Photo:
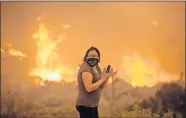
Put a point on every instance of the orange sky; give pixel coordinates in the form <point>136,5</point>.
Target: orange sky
<point>152,29</point>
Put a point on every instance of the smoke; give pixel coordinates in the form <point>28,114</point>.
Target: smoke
<point>154,23</point>
<point>66,26</point>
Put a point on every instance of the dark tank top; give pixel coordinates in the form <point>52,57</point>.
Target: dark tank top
<point>84,98</point>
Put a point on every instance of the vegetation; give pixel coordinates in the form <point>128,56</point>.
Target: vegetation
<point>140,112</point>
<point>169,101</point>
<point>136,112</point>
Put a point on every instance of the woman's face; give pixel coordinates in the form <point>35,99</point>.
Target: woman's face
<point>93,54</point>
<point>92,58</point>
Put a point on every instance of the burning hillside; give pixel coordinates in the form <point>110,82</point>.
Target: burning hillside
<point>135,69</point>
<point>141,71</point>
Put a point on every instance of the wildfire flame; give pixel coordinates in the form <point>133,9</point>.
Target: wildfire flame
<point>140,71</point>
<point>14,52</point>
<point>48,62</point>
<point>2,50</point>
<point>134,84</point>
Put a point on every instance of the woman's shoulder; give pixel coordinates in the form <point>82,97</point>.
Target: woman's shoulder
<point>84,67</point>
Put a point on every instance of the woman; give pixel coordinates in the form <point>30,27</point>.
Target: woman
<point>90,83</point>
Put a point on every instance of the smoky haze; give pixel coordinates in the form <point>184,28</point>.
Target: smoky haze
<point>144,40</point>
<point>154,29</point>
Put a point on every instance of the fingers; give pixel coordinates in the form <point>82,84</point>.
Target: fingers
<point>105,75</point>
<point>111,70</point>
<point>111,73</point>
<point>104,69</point>
<point>114,73</point>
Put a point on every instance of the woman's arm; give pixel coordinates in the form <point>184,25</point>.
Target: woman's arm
<point>104,85</point>
<point>106,82</point>
<point>87,80</point>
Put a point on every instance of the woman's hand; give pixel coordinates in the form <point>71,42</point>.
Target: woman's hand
<point>111,73</point>
<point>105,76</point>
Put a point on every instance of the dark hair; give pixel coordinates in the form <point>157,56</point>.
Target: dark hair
<point>90,49</point>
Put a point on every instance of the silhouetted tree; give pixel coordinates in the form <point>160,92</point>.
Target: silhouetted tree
<point>182,104</point>
<point>170,94</point>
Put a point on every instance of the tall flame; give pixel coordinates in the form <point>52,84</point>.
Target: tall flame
<point>48,63</point>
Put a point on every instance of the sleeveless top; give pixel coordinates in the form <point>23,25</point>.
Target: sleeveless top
<point>88,99</point>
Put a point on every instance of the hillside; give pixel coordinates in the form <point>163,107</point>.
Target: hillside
<point>60,97</point>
